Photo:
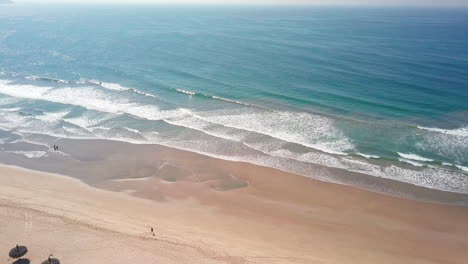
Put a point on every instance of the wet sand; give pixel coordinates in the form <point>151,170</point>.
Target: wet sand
<point>206,210</point>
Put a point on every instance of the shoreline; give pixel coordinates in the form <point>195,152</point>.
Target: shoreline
<point>93,151</point>
<point>216,212</point>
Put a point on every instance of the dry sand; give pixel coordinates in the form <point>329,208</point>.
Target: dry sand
<point>277,218</point>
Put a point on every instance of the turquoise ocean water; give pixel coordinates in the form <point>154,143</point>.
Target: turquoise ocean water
<point>382,91</point>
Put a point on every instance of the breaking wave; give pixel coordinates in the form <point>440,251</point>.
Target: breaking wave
<point>277,139</point>
<point>414,157</point>
<point>461,132</point>
<point>219,98</point>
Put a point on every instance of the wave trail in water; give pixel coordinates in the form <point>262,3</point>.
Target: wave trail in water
<point>118,87</point>
<point>414,157</point>
<point>461,132</point>
<point>219,98</point>
<point>301,128</point>
<point>46,79</point>
<point>30,154</point>
<point>89,98</point>
<point>367,156</point>
<point>185,91</point>
<point>275,134</point>
<point>309,130</point>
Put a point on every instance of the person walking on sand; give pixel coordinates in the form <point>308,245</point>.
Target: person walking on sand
<point>152,231</point>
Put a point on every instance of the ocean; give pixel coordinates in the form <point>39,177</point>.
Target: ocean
<point>380,91</point>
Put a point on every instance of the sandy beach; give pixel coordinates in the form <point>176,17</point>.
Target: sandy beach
<point>234,131</point>
<point>206,210</point>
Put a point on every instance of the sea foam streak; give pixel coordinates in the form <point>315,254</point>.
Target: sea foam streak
<point>367,156</point>
<point>116,87</point>
<point>53,116</point>
<point>191,93</point>
<point>185,91</point>
<point>90,99</point>
<point>232,101</point>
<point>417,164</point>
<point>46,79</point>
<point>301,128</point>
<point>461,132</point>
<point>414,157</point>
<point>238,125</point>
<point>30,154</point>
<point>110,86</point>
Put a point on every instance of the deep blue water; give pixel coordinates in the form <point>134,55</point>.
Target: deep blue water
<point>382,91</point>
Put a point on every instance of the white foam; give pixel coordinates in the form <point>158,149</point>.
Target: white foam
<point>309,130</point>
<point>23,90</point>
<point>30,154</point>
<point>309,157</point>
<point>115,87</point>
<point>463,168</point>
<point>11,120</point>
<point>12,109</point>
<point>76,131</point>
<point>231,101</point>
<point>32,77</point>
<point>301,128</point>
<point>132,130</point>
<point>206,127</point>
<point>89,118</point>
<point>434,178</point>
<point>368,156</point>
<point>61,153</point>
<point>461,132</point>
<point>53,116</point>
<point>185,91</point>
<point>412,156</point>
<point>31,142</point>
<point>110,86</point>
<point>88,98</point>
<point>37,78</point>
<point>440,179</point>
<point>414,163</point>
<point>120,134</point>
<point>450,146</point>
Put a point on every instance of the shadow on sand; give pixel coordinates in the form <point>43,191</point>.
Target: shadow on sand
<point>21,261</point>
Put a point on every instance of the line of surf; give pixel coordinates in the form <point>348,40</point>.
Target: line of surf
<point>105,85</point>
<point>94,100</point>
<point>40,91</point>
<point>383,172</point>
<point>461,132</point>
<point>219,98</point>
<point>412,156</point>
<point>117,87</point>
